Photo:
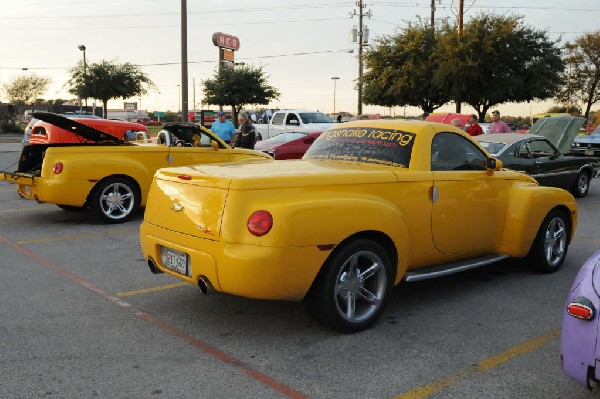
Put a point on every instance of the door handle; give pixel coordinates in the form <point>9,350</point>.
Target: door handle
<point>434,192</point>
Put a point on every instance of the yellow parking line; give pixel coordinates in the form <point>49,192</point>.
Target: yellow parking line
<point>589,205</point>
<point>152,289</point>
<point>587,239</point>
<point>77,236</point>
<point>484,365</point>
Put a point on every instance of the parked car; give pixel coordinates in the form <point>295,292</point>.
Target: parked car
<point>289,120</point>
<point>289,145</point>
<point>32,121</point>
<point>588,145</point>
<point>447,117</point>
<point>541,154</point>
<point>371,204</point>
<point>366,116</point>
<point>106,173</point>
<point>579,339</point>
<point>148,122</point>
<point>49,133</point>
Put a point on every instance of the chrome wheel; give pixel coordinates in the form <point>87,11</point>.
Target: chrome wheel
<point>115,199</point>
<point>360,287</point>
<point>551,243</point>
<point>582,185</point>
<point>555,243</point>
<point>351,290</point>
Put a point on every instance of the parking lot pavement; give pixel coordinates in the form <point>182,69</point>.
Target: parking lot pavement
<point>83,316</point>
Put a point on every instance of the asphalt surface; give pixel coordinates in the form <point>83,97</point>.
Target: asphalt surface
<point>82,316</point>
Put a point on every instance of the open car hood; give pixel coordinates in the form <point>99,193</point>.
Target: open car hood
<point>560,130</point>
<point>85,131</point>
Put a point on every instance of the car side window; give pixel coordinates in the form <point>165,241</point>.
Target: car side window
<point>541,148</point>
<point>523,151</point>
<point>450,151</point>
<point>278,118</point>
<point>292,119</point>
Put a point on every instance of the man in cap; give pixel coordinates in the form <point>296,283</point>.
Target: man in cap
<point>223,127</point>
<point>497,125</point>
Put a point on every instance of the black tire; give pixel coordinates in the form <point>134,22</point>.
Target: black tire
<point>582,185</point>
<point>70,208</point>
<point>549,249</point>
<point>115,199</point>
<point>344,296</point>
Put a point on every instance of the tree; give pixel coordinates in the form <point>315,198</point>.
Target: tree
<point>582,74</point>
<point>108,80</point>
<point>400,70</point>
<point>26,89</point>
<point>497,59</point>
<point>237,87</point>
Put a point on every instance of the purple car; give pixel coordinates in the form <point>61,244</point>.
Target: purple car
<point>579,342</point>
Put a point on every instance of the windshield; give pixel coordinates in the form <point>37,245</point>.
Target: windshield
<point>315,117</point>
<point>285,137</point>
<point>491,147</point>
<point>359,144</point>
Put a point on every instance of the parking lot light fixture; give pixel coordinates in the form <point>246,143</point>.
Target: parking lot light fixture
<point>82,48</point>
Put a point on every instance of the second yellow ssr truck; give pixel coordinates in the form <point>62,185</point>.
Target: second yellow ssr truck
<point>108,174</point>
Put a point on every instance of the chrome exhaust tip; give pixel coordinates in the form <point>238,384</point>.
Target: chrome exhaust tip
<point>153,268</point>
<point>205,285</point>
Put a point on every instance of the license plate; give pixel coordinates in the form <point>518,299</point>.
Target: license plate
<point>589,153</point>
<point>175,260</point>
<point>25,189</point>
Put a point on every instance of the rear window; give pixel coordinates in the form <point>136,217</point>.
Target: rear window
<point>315,117</point>
<point>368,145</point>
<point>492,147</point>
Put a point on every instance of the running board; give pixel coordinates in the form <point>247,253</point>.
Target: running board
<point>451,268</point>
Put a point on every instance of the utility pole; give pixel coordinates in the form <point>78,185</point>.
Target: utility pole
<point>461,5</point>
<point>432,14</point>
<point>184,63</point>
<point>362,36</point>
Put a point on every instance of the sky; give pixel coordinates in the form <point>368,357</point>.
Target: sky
<point>300,46</point>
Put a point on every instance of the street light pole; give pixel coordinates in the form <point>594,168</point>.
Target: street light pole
<point>334,78</point>
<point>82,48</point>
<point>179,105</point>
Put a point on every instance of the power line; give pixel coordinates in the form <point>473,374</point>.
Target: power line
<point>199,62</point>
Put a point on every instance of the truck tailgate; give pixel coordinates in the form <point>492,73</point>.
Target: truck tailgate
<point>191,208</point>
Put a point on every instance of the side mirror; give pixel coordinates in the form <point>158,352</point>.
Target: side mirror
<point>493,164</point>
<point>215,145</point>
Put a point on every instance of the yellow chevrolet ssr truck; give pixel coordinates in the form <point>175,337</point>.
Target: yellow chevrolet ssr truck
<point>107,174</point>
<point>371,204</point>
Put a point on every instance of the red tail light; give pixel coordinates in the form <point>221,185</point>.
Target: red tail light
<point>57,168</point>
<point>184,177</point>
<point>260,223</point>
<point>581,308</point>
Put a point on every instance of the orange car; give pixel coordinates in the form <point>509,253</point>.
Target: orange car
<point>46,133</point>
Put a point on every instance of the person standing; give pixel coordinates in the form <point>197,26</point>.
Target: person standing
<point>456,123</point>
<point>223,128</point>
<point>247,135</point>
<point>497,125</point>
<point>473,127</point>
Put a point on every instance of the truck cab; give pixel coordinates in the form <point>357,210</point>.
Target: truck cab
<point>294,121</point>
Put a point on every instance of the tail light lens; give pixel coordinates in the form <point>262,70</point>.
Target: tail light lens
<point>581,308</point>
<point>57,168</point>
<point>260,223</point>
